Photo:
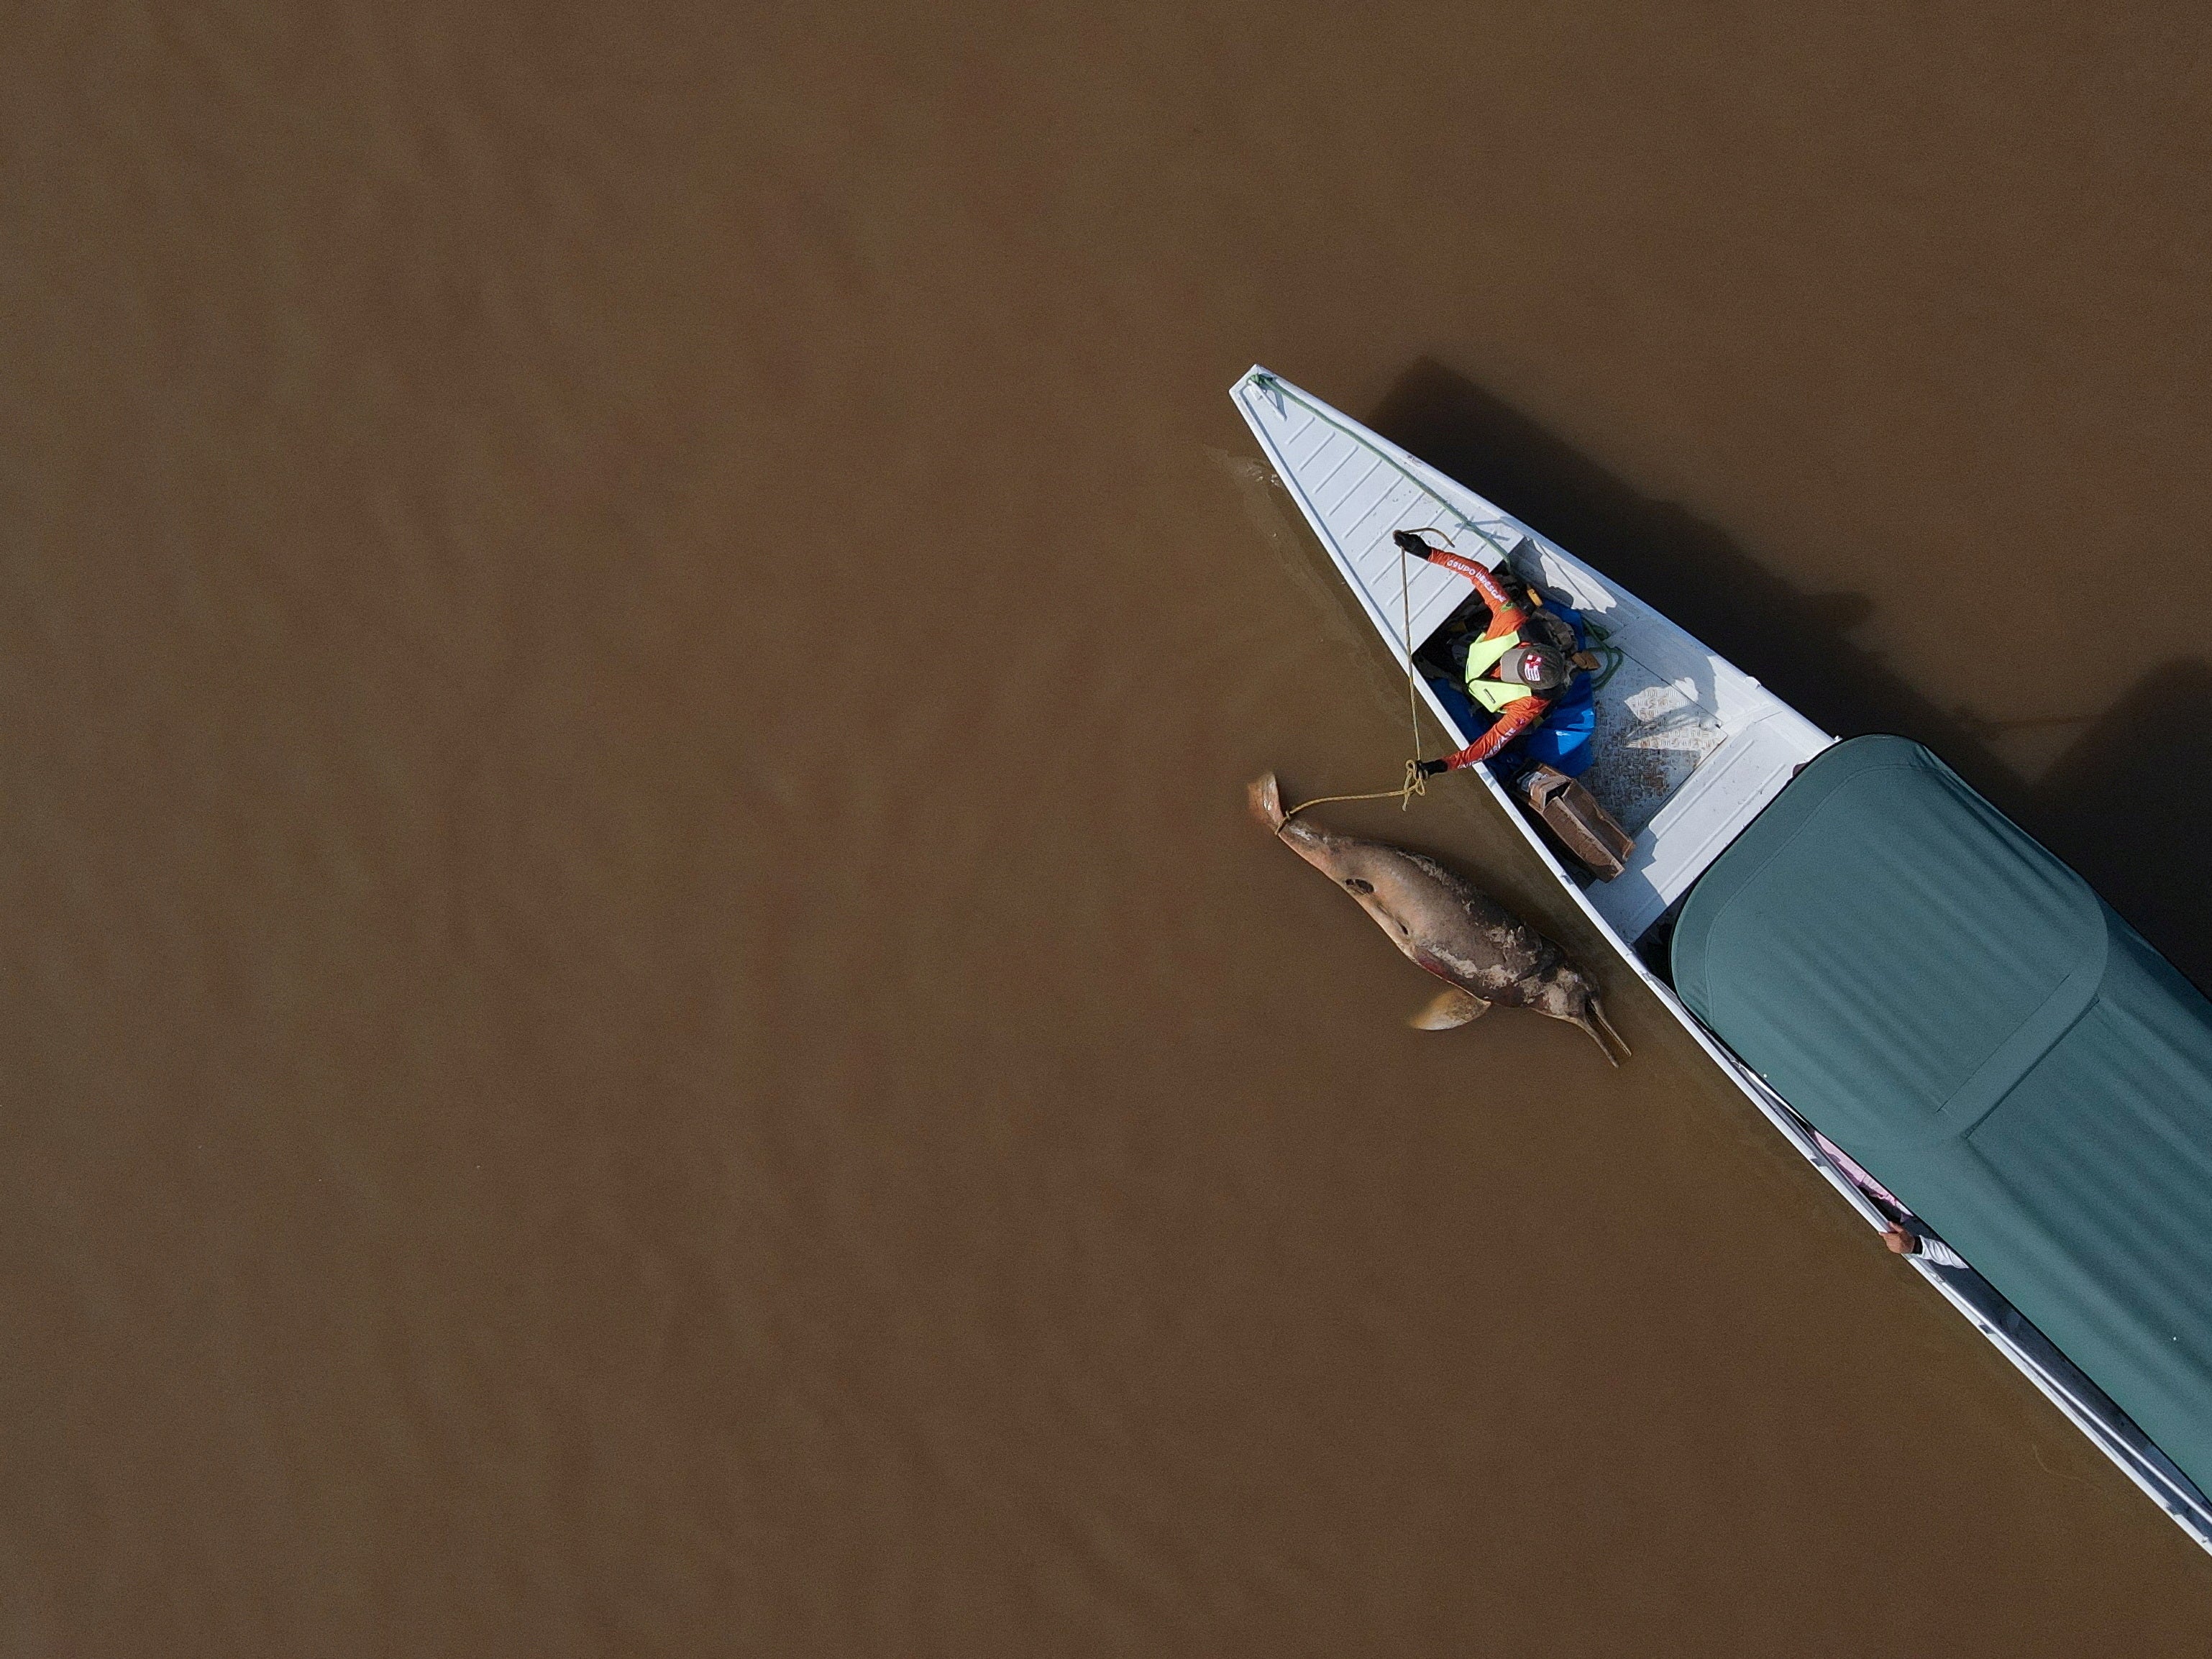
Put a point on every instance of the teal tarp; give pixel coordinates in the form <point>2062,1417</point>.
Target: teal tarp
<point>1958,1011</point>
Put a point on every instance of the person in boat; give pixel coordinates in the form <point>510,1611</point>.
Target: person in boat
<point>1904,1240</point>
<point>1905,1236</point>
<point>1520,666</point>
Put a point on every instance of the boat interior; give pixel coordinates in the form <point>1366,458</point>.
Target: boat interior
<point>1686,749</point>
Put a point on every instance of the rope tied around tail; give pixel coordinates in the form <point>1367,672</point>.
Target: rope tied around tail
<point>1415,783</point>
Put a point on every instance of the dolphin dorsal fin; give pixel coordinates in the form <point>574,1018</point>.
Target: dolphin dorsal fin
<point>1452,1007</point>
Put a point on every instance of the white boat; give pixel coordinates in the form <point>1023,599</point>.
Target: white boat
<point>1689,750</point>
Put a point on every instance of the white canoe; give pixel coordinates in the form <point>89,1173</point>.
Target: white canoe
<point>1689,749</point>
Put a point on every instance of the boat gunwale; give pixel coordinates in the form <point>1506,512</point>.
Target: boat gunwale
<point>2123,1442</point>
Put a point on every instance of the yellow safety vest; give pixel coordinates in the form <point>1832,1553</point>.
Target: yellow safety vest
<point>1481,657</point>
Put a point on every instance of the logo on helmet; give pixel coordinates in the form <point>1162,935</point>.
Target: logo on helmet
<point>1536,666</point>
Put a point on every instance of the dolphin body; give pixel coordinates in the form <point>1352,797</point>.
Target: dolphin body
<point>1465,937</point>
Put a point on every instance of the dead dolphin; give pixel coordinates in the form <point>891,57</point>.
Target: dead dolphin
<point>1465,937</point>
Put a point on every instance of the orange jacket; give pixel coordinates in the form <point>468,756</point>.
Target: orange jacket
<point>1505,616</point>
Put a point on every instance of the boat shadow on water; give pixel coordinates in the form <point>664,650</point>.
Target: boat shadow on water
<point>2127,803</point>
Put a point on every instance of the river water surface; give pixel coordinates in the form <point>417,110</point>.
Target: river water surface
<point>640,1014</point>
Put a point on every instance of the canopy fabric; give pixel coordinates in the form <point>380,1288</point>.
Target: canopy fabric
<point>1951,1006</point>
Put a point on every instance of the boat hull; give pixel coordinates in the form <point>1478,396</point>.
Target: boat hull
<point>1724,746</point>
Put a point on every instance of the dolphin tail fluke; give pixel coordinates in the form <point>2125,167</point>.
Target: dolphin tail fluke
<point>1266,798</point>
<point>1451,1009</point>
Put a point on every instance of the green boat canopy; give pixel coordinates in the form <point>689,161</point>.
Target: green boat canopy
<point>1951,1006</point>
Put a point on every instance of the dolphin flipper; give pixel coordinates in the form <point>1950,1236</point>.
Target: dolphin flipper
<point>1452,1007</point>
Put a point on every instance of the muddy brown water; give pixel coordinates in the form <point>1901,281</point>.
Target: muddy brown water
<point>641,1014</point>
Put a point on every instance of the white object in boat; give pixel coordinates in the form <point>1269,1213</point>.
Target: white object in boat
<point>1690,750</point>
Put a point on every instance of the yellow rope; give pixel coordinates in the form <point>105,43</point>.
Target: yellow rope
<point>1415,784</point>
